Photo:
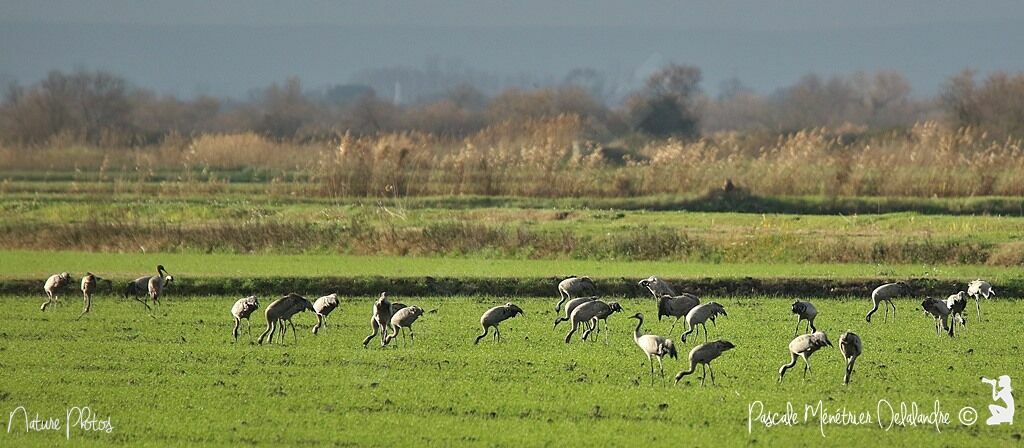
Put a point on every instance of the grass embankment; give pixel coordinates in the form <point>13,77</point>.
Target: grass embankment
<point>177,379</point>
<point>42,188</point>
<point>209,274</point>
<point>439,227</point>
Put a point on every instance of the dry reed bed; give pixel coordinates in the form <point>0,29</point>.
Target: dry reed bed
<point>553,158</point>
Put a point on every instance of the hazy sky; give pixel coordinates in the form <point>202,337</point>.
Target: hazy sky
<point>741,15</point>
<point>229,47</point>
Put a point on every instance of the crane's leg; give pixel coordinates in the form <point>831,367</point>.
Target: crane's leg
<point>712,370</point>
<point>661,368</point>
<point>811,323</point>
<point>88,305</point>
<point>893,310</point>
<point>704,374</point>
<point>977,304</point>
<point>143,302</point>
<point>651,363</point>
<point>807,366</point>
<point>849,369</point>
<point>886,318</point>
<point>295,334</point>
<point>568,336</point>
<point>797,329</point>
<point>270,329</point>
<point>234,331</point>
<point>705,331</point>
<point>497,334</point>
<point>673,325</point>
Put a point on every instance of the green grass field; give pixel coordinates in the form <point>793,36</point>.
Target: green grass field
<point>502,228</point>
<point>177,379</point>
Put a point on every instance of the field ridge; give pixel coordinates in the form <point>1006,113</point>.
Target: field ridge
<point>534,287</point>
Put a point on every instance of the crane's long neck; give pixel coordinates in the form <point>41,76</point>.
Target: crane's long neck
<point>639,323</point>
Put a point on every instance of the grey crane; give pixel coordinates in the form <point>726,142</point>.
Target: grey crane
<point>676,306</point>
<point>850,346</point>
<point>593,313</point>
<point>594,323</point>
<point>978,289</point>
<point>495,316</point>
<point>886,293</point>
<point>653,346</point>
<point>52,287</point>
<point>938,309</point>
<point>281,311</point>
<point>382,312</point>
<point>242,309</point>
<point>573,287</point>
<point>157,285</point>
<point>570,306</point>
<point>323,307</point>
<point>404,318</point>
<point>657,287</point>
<point>90,283</point>
<point>699,315</point>
<point>703,354</point>
<point>957,304</point>
<point>140,286</point>
<point>804,346</point>
<point>804,311</point>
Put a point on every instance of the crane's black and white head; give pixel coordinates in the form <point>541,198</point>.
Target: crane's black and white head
<point>64,276</point>
<point>798,307</point>
<point>161,271</point>
<point>615,307</point>
<point>648,281</point>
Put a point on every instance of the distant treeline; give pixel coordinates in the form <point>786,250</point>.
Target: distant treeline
<point>102,109</point>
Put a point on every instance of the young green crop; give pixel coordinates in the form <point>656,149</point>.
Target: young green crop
<point>176,378</point>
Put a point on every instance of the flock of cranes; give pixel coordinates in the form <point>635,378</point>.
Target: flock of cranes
<point>583,310</point>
